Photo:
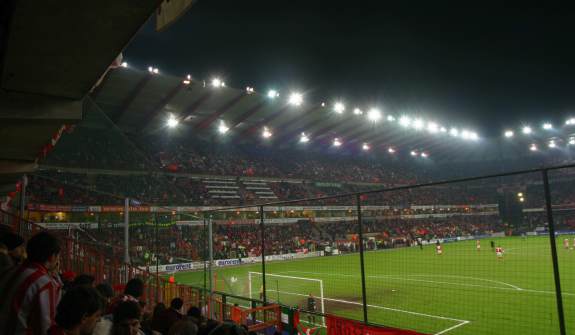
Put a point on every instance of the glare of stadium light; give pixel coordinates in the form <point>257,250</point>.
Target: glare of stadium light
<point>390,118</point>
<point>473,136</point>
<point>150,69</point>
<point>172,122</point>
<point>466,135</point>
<point>418,124</point>
<point>249,90</point>
<point>339,108</point>
<point>533,147</point>
<point>374,115</point>
<point>424,155</point>
<point>217,82</point>
<point>266,133</point>
<point>405,121</point>
<point>413,153</point>
<point>357,111</point>
<point>570,122</point>
<point>391,150</point>
<point>443,130</point>
<point>508,133</point>
<point>527,130</point>
<point>296,99</point>
<point>521,199</point>
<point>303,138</point>
<point>365,147</point>
<point>547,126</point>
<point>124,64</point>
<point>520,195</point>
<point>454,132</point>
<point>336,142</point>
<point>552,144</point>
<point>222,128</point>
<point>572,141</point>
<point>323,104</point>
<point>156,71</point>
<point>272,94</point>
<point>432,127</point>
<point>186,82</point>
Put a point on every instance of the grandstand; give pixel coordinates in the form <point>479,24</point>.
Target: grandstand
<point>288,215</point>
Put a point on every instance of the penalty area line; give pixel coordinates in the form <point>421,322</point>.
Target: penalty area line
<point>460,322</point>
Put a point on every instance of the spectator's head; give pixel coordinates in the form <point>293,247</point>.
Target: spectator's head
<point>84,280</point>
<point>160,307</point>
<point>3,249</point>
<point>228,328</point>
<point>106,291</point>
<point>134,287</point>
<point>194,312</point>
<point>14,246</point>
<point>79,310</point>
<point>176,304</point>
<point>44,248</point>
<point>127,318</point>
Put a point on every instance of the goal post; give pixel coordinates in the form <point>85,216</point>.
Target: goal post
<point>290,290</point>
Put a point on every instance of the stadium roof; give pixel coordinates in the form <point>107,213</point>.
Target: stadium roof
<point>141,102</point>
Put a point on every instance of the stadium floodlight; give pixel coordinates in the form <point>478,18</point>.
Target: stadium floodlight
<point>217,83</point>
<point>527,130</point>
<point>508,133</point>
<point>473,136</point>
<point>296,99</point>
<point>188,80</point>
<point>124,64</point>
<point>533,147</point>
<point>572,141</point>
<point>266,133</point>
<point>222,128</point>
<point>339,107</point>
<point>570,122</point>
<point>465,134</point>
<point>303,138</point>
<point>547,126</point>
<point>390,118</point>
<point>365,147</point>
<point>374,115</point>
<point>405,121</point>
<point>432,127</point>
<point>454,132</point>
<point>413,153</point>
<point>272,94</point>
<point>424,155</point>
<point>249,90</point>
<point>552,144</point>
<point>391,150</point>
<point>172,122</point>
<point>418,124</point>
<point>520,194</point>
<point>357,111</point>
<point>336,142</point>
<point>153,70</point>
<point>521,199</point>
<point>443,130</point>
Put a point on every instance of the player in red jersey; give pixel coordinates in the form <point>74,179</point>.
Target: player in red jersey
<point>499,252</point>
<point>438,248</point>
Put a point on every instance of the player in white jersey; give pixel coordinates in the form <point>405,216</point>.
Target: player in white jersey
<point>566,243</point>
<point>438,248</point>
<point>499,252</point>
<point>478,245</point>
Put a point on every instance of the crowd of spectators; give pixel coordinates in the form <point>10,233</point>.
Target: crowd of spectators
<point>38,297</point>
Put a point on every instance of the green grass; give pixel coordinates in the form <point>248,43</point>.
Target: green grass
<point>462,291</point>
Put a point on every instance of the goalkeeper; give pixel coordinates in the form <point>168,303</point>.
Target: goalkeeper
<point>311,307</point>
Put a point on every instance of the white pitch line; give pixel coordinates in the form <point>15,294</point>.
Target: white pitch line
<point>452,328</point>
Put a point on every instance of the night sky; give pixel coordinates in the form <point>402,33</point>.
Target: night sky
<point>487,67</point>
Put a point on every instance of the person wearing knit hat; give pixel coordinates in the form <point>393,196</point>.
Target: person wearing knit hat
<point>15,250</point>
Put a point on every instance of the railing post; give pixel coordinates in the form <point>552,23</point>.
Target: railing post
<point>262,232</point>
<point>361,260</point>
<point>127,230</point>
<point>551,225</point>
<point>156,255</point>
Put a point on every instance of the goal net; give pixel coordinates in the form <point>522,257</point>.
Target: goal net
<point>288,290</point>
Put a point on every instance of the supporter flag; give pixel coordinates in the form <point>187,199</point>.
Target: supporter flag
<point>173,167</point>
<point>301,329</point>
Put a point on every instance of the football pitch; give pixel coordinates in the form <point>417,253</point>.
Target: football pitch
<point>462,291</point>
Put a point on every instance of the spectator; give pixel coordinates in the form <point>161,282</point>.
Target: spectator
<point>5,260</point>
<point>15,247</point>
<point>127,319</point>
<point>106,291</point>
<point>104,326</point>
<point>157,314</point>
<point>132,292</point>
<point>228,328</point>
<point>183,327</point>
<point>84,280</point>
<point>78,312</point>
<point>170,316</point>
<point>30,293</point>
<point>195,315</point>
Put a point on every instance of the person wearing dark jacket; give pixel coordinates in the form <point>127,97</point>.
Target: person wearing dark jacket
<point>169,317</point>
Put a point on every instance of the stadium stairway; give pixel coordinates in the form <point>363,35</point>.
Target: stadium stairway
<point>222,189</point>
